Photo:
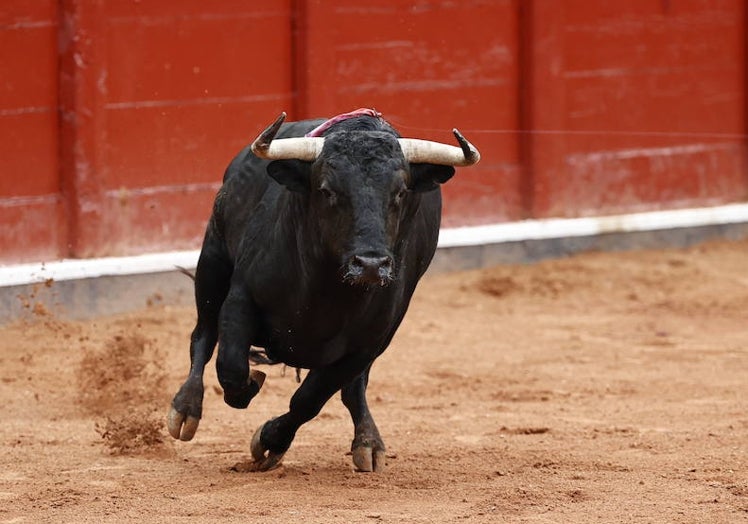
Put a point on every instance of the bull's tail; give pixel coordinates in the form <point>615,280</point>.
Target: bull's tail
<point>186,271</point>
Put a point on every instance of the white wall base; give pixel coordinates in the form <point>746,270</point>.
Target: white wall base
<point>72,269</point>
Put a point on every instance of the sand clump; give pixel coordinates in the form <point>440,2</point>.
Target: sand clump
<point>122,384</point>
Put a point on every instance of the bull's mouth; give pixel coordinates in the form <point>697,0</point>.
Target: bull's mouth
<point>366,270</point>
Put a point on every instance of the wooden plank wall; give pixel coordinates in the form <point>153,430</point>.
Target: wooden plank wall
<point>32,210</point>
<point>161,96</point>
<point>651,98</point>
<point>117,118</point>
<point>429,67</point>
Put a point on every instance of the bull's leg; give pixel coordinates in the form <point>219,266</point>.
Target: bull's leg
<point>274,437</point>
<point>212,279</point>
<point>367,446</point>
<point>237,328</point>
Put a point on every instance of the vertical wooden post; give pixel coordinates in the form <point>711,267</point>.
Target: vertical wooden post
<point>299,66</point>
<point>314,58</point>
<point>542,101</point>
<point>524,107</point>
<point>82,82</point>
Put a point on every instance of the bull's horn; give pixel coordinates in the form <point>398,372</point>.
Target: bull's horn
<point>425,151</point>
<point>305,148</point>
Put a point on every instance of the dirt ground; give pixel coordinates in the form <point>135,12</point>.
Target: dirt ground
<point>605,387</point>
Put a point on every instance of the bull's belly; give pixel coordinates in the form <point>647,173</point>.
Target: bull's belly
<point>323,340</point>
<point>300,354</point>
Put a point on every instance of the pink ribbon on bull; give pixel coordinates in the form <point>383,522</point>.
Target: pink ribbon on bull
<point>324,126</point>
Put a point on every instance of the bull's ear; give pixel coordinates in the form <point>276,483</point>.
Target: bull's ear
<point>427,177</point>
<point>293,174</point>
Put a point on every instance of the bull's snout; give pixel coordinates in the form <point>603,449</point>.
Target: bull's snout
<point>369,269</point>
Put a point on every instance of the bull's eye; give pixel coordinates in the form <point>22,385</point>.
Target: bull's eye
<point>399,196</point>
<point>328,194</point>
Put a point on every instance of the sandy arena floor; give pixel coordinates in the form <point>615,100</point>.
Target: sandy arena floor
<point>606,387</point>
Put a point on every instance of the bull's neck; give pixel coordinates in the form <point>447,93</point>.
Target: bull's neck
<point>301,231</point>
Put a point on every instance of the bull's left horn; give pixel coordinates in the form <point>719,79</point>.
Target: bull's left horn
<point>305,148</point>
<point>428,152</point>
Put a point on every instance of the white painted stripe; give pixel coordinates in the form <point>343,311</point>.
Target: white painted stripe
<point>649,152</point>
<point>71,269</point>
<point>588,226</point>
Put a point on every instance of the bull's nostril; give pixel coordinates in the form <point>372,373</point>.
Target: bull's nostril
<point>365,269</point>
<point>371,263</point>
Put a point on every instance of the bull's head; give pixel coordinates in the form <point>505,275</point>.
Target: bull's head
<point>358,184</point>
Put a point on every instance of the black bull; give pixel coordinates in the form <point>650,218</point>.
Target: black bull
<point>316,263</point>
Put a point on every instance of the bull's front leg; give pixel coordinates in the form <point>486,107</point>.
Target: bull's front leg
<point>237,326</point>
<point>367,447</point>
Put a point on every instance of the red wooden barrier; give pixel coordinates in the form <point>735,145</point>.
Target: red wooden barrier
<point>117,118</point>
<point>164,94</point>
<point>31,207</point>
<point>651,98</point>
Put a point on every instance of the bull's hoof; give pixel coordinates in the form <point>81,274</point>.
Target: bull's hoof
<point>186,410</point>
<point>181,426</point>
<point>264,459</point>
<point>368,459</point>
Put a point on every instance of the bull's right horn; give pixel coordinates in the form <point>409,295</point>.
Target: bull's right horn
<point>303,148</point>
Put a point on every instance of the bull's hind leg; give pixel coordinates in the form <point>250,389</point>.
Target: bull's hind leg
<point>367,446</point>
<point>212,279</point>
